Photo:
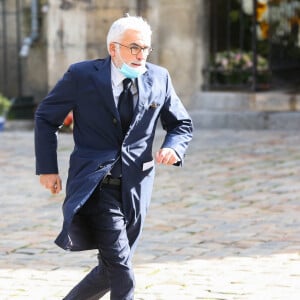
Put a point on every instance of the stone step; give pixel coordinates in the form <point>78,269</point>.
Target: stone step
<point>239,101</point>
<point>247,120</point>
<point>241,110</point>
<point>19,125</point>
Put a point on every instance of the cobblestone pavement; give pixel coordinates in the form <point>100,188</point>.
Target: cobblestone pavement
<point>225,226</point>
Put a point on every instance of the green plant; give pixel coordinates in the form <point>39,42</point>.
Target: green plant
<point>5,105</point>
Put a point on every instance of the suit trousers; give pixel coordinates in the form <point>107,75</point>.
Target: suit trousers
<point>103,214</point>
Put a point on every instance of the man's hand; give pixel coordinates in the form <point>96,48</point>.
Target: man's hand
<point>166,156</point>
<point>51,182</point>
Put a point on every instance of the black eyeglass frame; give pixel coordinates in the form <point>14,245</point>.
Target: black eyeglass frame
<point>136,49</point>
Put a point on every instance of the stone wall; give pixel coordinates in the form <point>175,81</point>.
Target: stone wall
<point>181,42</point>
<point>21,76</point>
<point>77,30</point>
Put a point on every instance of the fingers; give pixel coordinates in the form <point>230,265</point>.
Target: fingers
<point>56,187</point>
<point>51,182</point>
<point>166,156</point>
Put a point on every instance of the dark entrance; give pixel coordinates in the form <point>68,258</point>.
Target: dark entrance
<point>12,30</point>
<point>10,44</point>
<point>255,45</point>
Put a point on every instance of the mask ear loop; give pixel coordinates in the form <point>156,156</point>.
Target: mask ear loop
<point>120,56</point>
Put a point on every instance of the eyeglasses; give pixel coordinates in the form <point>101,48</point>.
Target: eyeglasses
<point>136,49</point>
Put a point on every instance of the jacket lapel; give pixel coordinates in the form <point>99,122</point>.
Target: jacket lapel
<point>102,80</point>
<point>144,90</point>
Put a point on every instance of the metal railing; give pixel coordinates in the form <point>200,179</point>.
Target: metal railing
<point>253,44</point>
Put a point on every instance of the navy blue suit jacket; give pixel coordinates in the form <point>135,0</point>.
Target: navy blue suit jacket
<point>86,89</point>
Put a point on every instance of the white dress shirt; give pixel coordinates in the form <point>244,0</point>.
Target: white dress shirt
<point>117,85</point>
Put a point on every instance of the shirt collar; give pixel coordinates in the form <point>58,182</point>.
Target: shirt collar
<point>116,76</point>
<point>117,79</point>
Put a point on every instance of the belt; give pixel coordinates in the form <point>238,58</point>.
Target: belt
<point>111,181</point>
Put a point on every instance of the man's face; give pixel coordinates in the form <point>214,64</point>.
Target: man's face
<point>128,49</point>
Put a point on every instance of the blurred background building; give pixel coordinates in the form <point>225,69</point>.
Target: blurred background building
<point>217,51</point>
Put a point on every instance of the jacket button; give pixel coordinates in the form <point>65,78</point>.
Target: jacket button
<point>115,121</point>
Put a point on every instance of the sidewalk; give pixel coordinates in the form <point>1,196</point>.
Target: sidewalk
<point>225,226</point>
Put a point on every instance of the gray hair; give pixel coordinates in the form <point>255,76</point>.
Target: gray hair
<point>118,28</point>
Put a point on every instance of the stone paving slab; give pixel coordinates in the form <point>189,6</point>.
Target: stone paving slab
<point>225,226</point>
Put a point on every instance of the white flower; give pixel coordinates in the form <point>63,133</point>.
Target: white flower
<point>247,6</point>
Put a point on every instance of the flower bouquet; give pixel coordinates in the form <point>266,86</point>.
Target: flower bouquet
<point>236,67</point>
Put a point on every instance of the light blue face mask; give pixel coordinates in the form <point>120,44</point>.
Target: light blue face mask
<point>130,72</point>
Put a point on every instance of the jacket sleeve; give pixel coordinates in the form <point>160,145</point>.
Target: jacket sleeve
<point>176,121</point>
<point>49,117</point>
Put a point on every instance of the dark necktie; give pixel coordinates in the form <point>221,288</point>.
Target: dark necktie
<point>125,105</point>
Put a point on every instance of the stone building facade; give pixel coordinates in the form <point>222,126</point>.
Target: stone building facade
<point>75,30</point>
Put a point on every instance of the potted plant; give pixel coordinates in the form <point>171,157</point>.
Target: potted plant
<point>5,105</point>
